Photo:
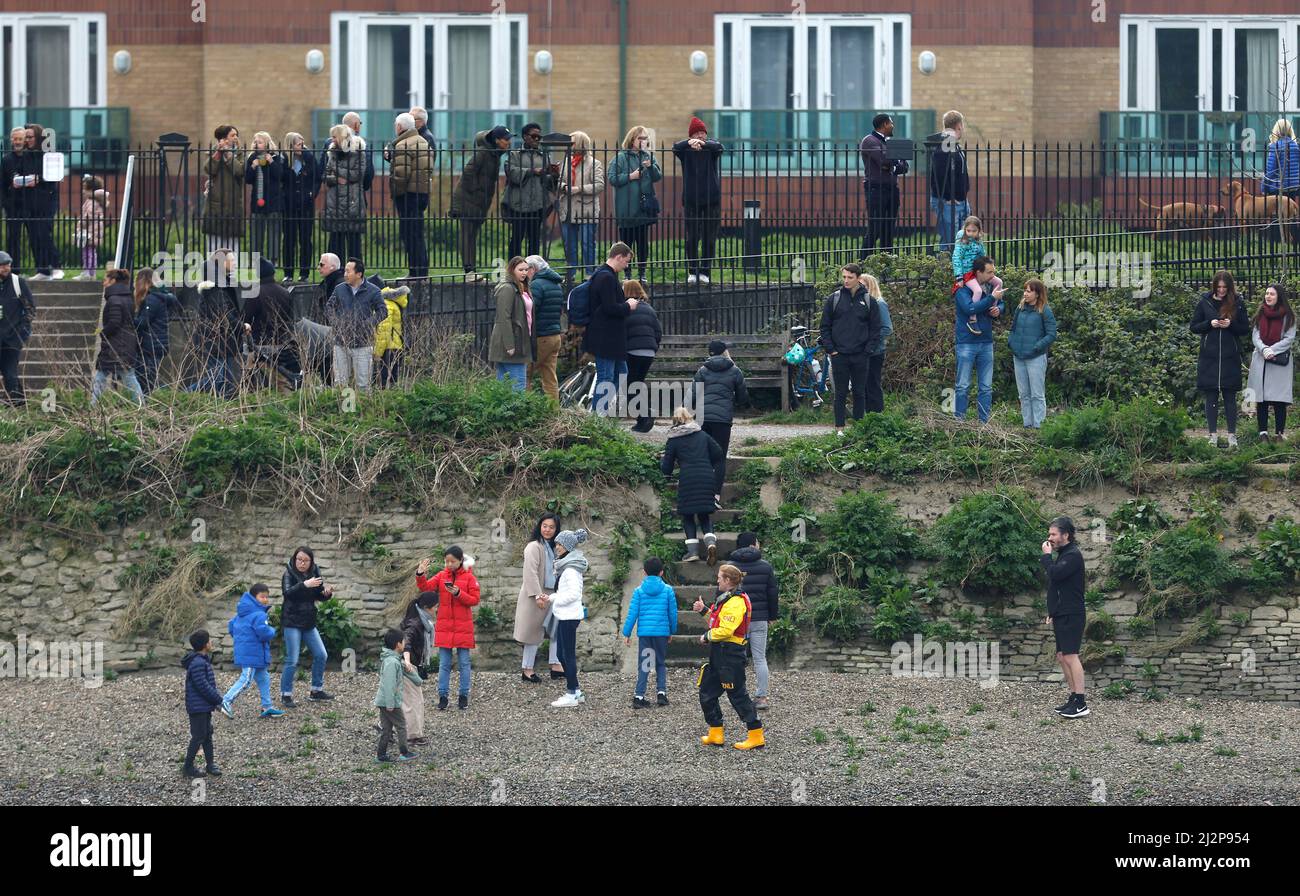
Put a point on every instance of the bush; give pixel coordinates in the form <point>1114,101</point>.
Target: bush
<point>839,613</point>
<point>334,621</point>
<point>1139,515</point>
<point>866,530</point>
<point>897,617</point>
<point>1101,627</point>
<point>1137,430</point>
<point>990,542</point>
<point>1279,550</point>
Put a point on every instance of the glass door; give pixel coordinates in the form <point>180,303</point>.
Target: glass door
<point>776,85</point>
<point>392,68</point>
<point>1181,76</point>
<point>851,81</point>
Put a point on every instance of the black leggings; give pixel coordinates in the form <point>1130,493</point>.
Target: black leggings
<point>1229,410</point>
<point>200,736</point>
<point>639,239</point>
<point>1279,410</point>
<point>688,524</point>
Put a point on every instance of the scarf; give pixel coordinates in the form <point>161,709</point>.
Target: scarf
<point>575,164</point>
<point>549,575</point>
<point>965,278</point>
<point>427,621</point>
<point>571,560</point>
<point>1270,324</point>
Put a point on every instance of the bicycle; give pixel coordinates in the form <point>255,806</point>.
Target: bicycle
<point>808,368</point>
<point>579,388</point>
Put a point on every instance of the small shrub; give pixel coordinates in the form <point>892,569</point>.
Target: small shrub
<point>1118,690</point>
<point>868,532</point>
<point>1279,549</point>
<point>896,616</point>
<point>1101,627</point>
<point>839,613</point>
<point>984,540</point>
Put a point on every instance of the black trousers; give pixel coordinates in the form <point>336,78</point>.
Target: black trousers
<point>639,239</point>
<point>875,390</point>
<point>721,433</point>
<point>525,227</point>
<point>469,228</point>
<point>9,358</point>
<point>850,373</point>
<point>389,367</point>
<point>1279,411</point>
<point>725,674</point>
<point>1229,410</point>
<point>345,246</point>
<point>200,736</point>
<point>146,369</point>
<point>637,368</point>
<point>882,216</point>
<point>702,223</point>
<point>40,232</point>
<point>296,238</point>
<point>410,226</point>
<point>690,522</point>
<point>14,228</point>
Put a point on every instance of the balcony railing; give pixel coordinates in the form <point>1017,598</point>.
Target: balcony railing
<point>808,140</point>
<point>99,136</point>
<point>452,128</point>
<point>1191,142</point>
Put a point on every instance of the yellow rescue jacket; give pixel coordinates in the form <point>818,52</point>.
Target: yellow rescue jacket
<point>729,619</point>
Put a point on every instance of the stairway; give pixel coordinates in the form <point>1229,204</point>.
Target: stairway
<point>63,345</point>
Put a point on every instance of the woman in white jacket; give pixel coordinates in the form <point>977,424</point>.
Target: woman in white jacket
<point>1272,368</point>
<point>566,605</point>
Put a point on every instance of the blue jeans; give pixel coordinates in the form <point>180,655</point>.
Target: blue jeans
<point>293,639</point>
<point>101,380</point>
<point>977,356</point>
<point>758,648</point>
<point>1031,376</point>
<point>220,376</point>
<point>444,670</point>
<point>651,652</point>
<point>263,679</point>
<point>580,237</point>
<point>515,373</point>
<point>608,370</point>
<point>950,219</point>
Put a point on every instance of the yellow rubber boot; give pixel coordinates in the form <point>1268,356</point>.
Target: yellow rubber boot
<point>714,738</point>
<point>753,742</point>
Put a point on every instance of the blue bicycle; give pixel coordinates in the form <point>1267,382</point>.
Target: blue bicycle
<point>808,368</point>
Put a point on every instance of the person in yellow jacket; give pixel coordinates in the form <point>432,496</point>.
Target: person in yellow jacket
<point>724,673</point>
<point>388,335</point>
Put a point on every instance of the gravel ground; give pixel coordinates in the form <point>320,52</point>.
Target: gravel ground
<point>833,739</point>
<point>740,431</point>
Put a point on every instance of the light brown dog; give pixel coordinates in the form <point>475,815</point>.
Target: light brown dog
<point>1177,215</point>
<point>1248,208</point>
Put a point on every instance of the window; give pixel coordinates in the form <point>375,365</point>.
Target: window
<point>441,62</point>
<point>52,62</point>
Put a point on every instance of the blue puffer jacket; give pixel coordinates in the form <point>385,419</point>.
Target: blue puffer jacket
<point>252,634</point>
<point>653,610</point>
<point>1282,168</point>
<point>1032,331</point>
<point>201,694</point>
<point>153,320</point>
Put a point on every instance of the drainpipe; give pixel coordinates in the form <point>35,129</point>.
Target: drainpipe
<point>622,68</point>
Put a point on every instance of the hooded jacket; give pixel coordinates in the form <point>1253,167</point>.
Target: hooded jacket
<point>119,344</point>
<point>760,582</point>
<point>653,611</point>
<point>388,335</point>
<point>695,452</point>
<point>478,180</point>
<point>354,317</point>
<point>566,602</point>
<point>527,192</point>
<point>251,633</point>
<point>299,609</point>
<point>94,215</point>
<point>724,386</point>
<point>153,321</point>
<point>628,192</point>
<point>270,311</point>
<point>219,328</point>
<point>510,329</point>
<point>345,194</point>
<point>1218,364</point>
<point>455,624</point>
<point>412,169</point>
<point>547,290</point>
<point>201,694</point>
<point>223,210</point>
<point>391,672</point>
<point>966,307</point>
<point>644,332</point>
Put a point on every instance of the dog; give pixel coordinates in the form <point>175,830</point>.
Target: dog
<point>1179,215</point>
<point>1249,209</point>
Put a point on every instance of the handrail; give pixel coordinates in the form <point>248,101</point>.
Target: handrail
<point>125,218</point>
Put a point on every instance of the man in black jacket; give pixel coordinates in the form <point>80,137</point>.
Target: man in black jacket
<point>11,197</point>
<point>16,311</point>
<point>606,335</point>
<point>881,184</point>
<point>268,319</point>
<point>1065,609</point>
<point>761,585</point>
<point>949,178</point>
<point>850,330</point>
<point>701,163</point>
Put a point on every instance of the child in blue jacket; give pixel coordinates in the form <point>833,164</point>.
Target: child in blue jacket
<point>654,614</point>
<point>253,636</point>
<point>201,697</point>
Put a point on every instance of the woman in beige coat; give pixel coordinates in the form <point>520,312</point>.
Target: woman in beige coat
<point>539,580</point>
<point>578,204</point>
<point>511,345</point>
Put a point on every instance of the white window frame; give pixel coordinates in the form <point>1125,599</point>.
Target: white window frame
<point>1286,26</point>
<point>358,92</point>
<point>741,24</point>
<point>78,55</point>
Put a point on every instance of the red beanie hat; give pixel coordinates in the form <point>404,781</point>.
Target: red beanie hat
<point>696,127</point>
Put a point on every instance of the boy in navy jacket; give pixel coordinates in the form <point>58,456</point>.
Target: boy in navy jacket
<point>201,698</point>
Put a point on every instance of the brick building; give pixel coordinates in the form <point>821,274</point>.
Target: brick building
<point>125,71</point>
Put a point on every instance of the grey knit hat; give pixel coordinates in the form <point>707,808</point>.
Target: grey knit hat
<point>6,258</point>
<point>571,539</point>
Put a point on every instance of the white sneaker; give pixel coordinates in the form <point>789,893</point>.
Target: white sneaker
<point>691,279</point>
<point>1232,441</point>
<point>840,433</point>
<point>83,276</point>
<point>1263,437</point>
<point>704,278</point>
<point>1213,439</point>
<point>567,700</point>
<point>474,277</point>
<point>582,698</point>
<point>58,274</point>
<point>39,277</point>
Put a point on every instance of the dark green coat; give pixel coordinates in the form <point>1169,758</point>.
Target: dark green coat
<point>510,331</point>
<point>547,290</point>
<point>223,210</point>
<point>628,192</point>
<point>478,181</point>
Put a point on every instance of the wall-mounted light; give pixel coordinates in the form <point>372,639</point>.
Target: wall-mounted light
<point>122,62</point>
<point>543,62</point>
<point>699,62</point>
<point>927,63</point>
<point>315,61</point>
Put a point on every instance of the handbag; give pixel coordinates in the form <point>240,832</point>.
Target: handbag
<point>648,203</point>
<point>1282,358</point>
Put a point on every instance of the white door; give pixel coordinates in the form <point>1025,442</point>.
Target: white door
<point>389,77</point>
<point>1179,78</point>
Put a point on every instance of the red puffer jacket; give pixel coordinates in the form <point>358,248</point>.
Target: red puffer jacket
<point>454,626</point>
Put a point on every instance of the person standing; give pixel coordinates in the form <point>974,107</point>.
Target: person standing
<point>421,117</point>
<point>1033,330</point>
<point>578,205</point>
<point>1220,320</point>
<point>644,334</point>
<point>653,613</point>
<point>17,308</point>
<point>701,163</point>
<point>458,595</point>
<point>223,197</point>
<point>388,335</point>
<point>354,312</point>
<point>1282,165</point>
<point>219,330</point>
<point>302,181</point>
<point>763,589</point>
<point>539,581</point>
<point>724,673</point>
<point>119,344</point>
<point>264,173</point>
<point>1272,370</point>
<point>42,205</point>
<point>13,199</point>
<point>1066,612</point>
<point>975,341</point>
<point>268,320</point>
<point>344,218</point>
<point>252,635</point>
<point>724,387</point>
<point>633,174</point>
<point>850,331</point>
<point>566,604</point>
<point>697,454</point>
<point>155,305</point>
<point>472,197</point>
<point>876,361</point>
<point>949,178</point>
<point>547,290</point>
<point>394,674</point>
<point>410,180</point>
<point>880,182</point>
<point>418,634</point>
<point>606,335</point>
<point>303,588</point>
<point>90,227</point>
<point>201,698</point>
<point>530,178</point>
<point>351,121</point>
<point>511,345</point>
